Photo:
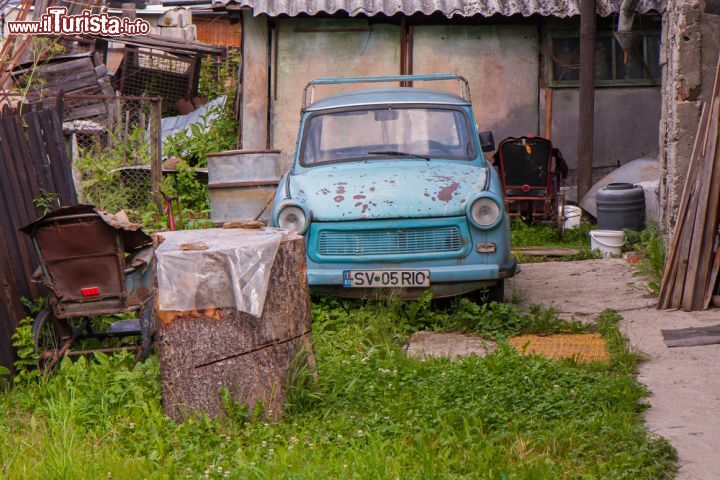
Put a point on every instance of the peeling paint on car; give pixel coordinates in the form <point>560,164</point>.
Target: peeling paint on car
<point>438,188</point>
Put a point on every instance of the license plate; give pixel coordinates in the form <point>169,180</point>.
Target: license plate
<point>385,278</point>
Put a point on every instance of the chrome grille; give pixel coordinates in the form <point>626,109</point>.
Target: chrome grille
<point>390,242</point>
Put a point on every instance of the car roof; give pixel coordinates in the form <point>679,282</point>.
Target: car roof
<point>384,96</point>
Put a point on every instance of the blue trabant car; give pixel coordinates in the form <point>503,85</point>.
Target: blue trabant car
<point>391,190</point>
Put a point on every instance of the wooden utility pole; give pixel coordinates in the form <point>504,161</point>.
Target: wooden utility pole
<point>587,97</point>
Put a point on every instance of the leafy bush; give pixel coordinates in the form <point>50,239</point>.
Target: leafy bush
<point>216,131</point>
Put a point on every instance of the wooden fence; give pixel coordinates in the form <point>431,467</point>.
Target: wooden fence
<point>33,166</point>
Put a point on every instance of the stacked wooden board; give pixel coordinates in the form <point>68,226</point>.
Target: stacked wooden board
<point>693,262</point>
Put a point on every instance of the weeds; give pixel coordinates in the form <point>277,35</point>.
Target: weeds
<point>373,412</point>
<point>545,235</point>
<point>649,243</point>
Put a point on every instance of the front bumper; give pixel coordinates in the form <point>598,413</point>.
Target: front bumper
<point>438,274</point>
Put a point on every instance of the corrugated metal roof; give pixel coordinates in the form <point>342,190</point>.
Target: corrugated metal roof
<point>451,8</point>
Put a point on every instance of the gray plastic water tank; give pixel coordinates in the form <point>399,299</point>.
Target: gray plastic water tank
<point>621,205</point>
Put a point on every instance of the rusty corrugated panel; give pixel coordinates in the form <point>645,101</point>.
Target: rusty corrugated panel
<point>217,30</point>
<point>451,8</point>
<point>32,160</point>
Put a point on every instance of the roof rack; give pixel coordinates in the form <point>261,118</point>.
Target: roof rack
<point>310,87</point>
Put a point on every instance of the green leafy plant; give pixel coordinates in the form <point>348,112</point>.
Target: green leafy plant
<point>214,132</point>
<point>220,78</point>
<point>47,201</point>
<point>649,243</point>
<point>24,344</point>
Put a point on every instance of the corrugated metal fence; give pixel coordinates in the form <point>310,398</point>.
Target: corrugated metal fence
<point>34,168</point>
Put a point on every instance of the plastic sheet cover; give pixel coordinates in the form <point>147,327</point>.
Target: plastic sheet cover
<point>223,268</point>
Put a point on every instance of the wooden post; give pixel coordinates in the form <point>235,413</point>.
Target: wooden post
<point>255,103</point>
<point>156,149</point>
<point>587,97</point>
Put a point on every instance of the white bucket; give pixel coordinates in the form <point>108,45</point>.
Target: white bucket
<point>573,215</point>
<point>609,242</point>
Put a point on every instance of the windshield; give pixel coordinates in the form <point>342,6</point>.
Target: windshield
<point>369,134</point>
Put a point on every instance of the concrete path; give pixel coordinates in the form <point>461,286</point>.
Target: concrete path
<point>684,381</point>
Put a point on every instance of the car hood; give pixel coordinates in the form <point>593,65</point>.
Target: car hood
<point>377,190</point>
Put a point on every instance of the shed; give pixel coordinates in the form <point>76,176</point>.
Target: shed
<point>520,57</point>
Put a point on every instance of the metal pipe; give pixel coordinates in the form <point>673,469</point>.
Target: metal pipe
<point>627,15</point>
<point>624,34</point>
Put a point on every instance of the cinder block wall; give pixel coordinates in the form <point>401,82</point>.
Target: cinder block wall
<point>690,48</point>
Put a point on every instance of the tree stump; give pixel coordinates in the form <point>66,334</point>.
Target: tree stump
<point>202,352</point>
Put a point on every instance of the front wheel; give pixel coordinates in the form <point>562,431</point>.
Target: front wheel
<point>50,336</point>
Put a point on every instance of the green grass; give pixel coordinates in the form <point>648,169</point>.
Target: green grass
<point>374,413</point>
<point>546,235</point>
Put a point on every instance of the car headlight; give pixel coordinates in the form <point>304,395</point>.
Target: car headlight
<point>292,218</point>
<point>485,212</point>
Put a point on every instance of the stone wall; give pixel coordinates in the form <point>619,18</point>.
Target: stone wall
<point>690,47</point>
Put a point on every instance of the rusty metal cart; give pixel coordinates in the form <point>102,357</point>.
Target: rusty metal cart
<point>531,171</point>
<point>94,265</point>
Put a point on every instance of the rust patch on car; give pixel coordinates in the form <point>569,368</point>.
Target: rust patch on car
<point>446,193</point>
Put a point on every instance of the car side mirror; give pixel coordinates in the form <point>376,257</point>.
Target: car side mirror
<point>487,142</point>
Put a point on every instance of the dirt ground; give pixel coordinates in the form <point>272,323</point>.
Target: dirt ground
<point>684,381</point>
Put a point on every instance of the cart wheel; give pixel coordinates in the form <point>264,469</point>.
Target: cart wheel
<point>48,333</point>
<point>147,327</point>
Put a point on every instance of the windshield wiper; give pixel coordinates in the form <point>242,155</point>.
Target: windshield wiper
<point>395,153</point>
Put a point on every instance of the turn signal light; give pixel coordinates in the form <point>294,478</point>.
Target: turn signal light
<point>485,247</point>
<point>90,292</point>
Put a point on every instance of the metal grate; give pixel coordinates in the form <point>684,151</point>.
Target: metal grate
<point>390,242</point>
<point>153,73</point>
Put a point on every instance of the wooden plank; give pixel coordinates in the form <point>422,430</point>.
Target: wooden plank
<point>694,257</point>
<point>710,226</point>
<point>57,67</point>
<point>684,247</point>
<point>87,111</point>
<point>713,97</point>
<point>715,270</point>
<point>671,266</point>
<point>255,80</point>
